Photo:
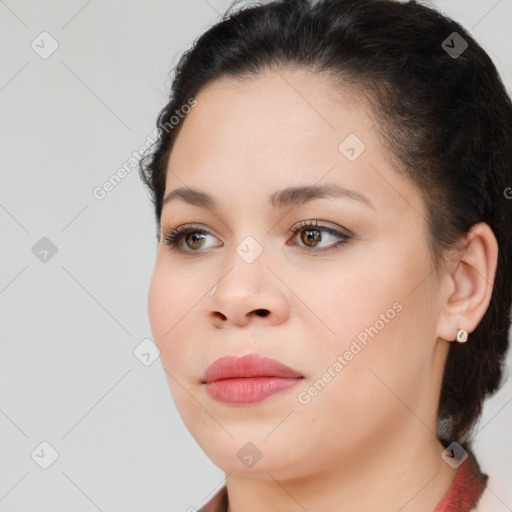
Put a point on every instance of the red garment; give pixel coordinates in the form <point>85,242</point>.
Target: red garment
<point>464,493</point>
<point>467,487</point>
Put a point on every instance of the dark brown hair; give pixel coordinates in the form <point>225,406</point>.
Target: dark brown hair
<point>440,106</point>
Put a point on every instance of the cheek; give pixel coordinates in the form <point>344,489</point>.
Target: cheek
<point>380,319</point>
<point>160,304</point>
<point>168,302</point>
<point>349,303</point>
<point>174,302</point>
<point>353,391</point>
<point>165,309</point>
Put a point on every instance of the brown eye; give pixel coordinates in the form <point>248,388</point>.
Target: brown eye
<point>312,235</point>
<point>194,238</point>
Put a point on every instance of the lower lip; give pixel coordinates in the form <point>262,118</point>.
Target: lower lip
<point>248,390</point>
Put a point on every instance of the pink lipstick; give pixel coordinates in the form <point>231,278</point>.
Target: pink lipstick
<point>247,379</point>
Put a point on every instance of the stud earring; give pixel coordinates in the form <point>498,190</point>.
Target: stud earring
<point>462,335</point>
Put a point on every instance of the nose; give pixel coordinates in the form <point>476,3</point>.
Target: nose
<point>249,293</point>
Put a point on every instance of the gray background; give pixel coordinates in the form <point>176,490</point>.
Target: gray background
<point>70,324</point>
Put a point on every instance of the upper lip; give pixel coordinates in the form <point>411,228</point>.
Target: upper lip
<point>250,365</point>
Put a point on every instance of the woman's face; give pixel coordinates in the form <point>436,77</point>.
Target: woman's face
<point>353,311</point>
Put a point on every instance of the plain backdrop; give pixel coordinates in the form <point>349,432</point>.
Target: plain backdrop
<point>75,392</point>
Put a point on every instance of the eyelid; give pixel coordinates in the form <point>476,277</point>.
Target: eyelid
<point>322,224</point>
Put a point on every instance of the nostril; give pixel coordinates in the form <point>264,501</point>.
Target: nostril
<point>262,312</point>
<point>220,315</point>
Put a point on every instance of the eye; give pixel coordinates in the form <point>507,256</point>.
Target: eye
<point>193,236</point>
<point>311,235</point>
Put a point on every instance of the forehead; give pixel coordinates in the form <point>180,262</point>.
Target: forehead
<point>277,106</point>
<point>284,127</point>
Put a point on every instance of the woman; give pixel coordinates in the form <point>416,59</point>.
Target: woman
<point>332,287</point>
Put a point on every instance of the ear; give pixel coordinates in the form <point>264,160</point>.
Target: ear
<point>468,283</point>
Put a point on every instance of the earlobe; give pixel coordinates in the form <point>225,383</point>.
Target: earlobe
<point>471,281</point>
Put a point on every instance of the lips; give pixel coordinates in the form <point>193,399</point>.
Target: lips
<point>248,379</point>
<point>231,367</point>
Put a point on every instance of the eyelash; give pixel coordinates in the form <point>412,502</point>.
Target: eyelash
<point>173,236</point>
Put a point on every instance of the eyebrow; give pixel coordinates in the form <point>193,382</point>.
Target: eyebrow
<point>291,196</point>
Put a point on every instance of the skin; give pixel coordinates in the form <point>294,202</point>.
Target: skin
<point>367,439</point>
